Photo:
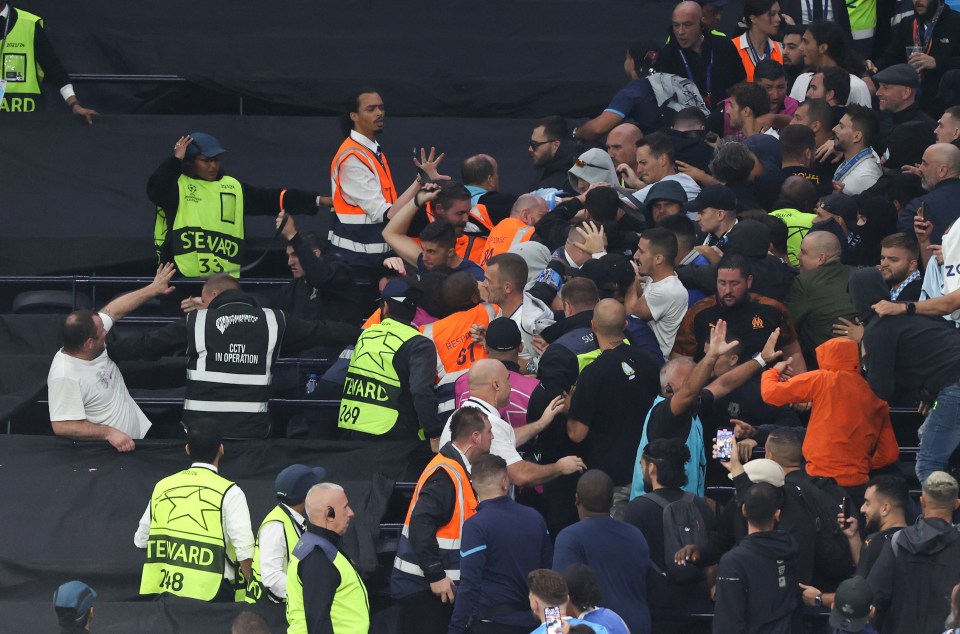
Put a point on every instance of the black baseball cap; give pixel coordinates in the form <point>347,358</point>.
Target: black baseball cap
<point>503,334</point>
<point>716,197</point>
<point>851,606</point>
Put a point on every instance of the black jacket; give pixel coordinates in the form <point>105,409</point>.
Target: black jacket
<point>757,586</point>
<point>726,68</point>
<point>320,580</point>
<point>554,172</point>
<point>838,12</point>
<point>914,577</point>
<point>945,48</point>
<point>690,147</point>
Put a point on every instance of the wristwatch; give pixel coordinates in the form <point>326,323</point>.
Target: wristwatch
<point>759,359</point>
<point>911,308</point>
<point>818,600</point>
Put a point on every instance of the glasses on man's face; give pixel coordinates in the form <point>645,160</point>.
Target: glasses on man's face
<point>535,144</point>
<point>582,163</point>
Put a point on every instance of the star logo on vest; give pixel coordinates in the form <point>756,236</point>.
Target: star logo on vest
<point>191,188</point>
<point>757,322</point>
<point>380,354</point>
<point>188,505</point>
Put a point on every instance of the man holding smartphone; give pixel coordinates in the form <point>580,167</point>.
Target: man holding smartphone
<point>549,596</point>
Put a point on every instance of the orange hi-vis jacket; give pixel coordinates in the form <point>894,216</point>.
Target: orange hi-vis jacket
<point>352,228</point>
<point>849,433</point>
<point>448,536</point>
<point>456,350</point>
<point>508,233</point>
<point>743,48</point>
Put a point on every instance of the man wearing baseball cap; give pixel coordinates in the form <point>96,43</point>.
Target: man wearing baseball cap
<point>853,608</point>
<point>200,210</point>
<point>279,533</point>
<point>388,391</point>
<point>73,602</point>
<point>503,343</point>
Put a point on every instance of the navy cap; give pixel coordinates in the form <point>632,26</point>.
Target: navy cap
<point>72,601</point>
<point>899,74</point>
<point>205,144</point>
<point>842,205</point>
<point>715,197</point>
<point>294,482</point>
<point>609,273</point>
<point>666,190</point>
<point>851,606</point>
<point>397,289</point>
<point>503,334</point>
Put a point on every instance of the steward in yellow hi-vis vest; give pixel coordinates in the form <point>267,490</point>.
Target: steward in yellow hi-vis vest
<point>27,59</point>
<point>196,529</point>
<point>199,224</point>
<point>324,591</point>
<point>279,532</point>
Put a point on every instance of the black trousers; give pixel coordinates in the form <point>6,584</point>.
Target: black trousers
<point>424,613</point>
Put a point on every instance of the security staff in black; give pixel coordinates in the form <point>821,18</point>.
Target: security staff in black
<point>200,211</point>
<point>26,60</point>
<point>388,391</point>
<point>232,344</point>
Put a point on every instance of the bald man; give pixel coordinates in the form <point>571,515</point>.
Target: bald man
<point>695,53</point>
<point>481,176</point>
<point>324,591</point>
<point>610,397</point>
<point>517,229</point>
<point>940,175</point>
<point>489,385</point>
<point>622,144</point>
<point>818,297</point>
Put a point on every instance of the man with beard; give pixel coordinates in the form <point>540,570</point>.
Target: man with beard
<point>622,145</point>
<point>792,55</point>
<point>940,176</point>
<point>817,115</point>
<point>854,136</point>
<point>935,30</point>
<point>552,151</point>
<point>948,127</point>
<point>751,318</point>
<point>899,259</point>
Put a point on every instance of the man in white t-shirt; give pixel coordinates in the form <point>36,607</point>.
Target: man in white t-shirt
<point>489,383</point>
<point>87,395</point>
<point>659,298</point>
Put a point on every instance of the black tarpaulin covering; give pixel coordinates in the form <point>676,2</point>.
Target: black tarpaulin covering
<point>430,58</point>
<point>73,197</point>
<point>71,509</point>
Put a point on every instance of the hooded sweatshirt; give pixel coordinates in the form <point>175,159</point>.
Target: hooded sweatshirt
<point>905,354</point>
<point>849,433</point>
<point>915,574</point>
<point>757,586</point>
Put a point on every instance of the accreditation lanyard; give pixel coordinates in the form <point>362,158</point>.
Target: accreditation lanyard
<point>923,35</point>
<point>709,77</point>
<point>846,166</point>
<point>753,52</point>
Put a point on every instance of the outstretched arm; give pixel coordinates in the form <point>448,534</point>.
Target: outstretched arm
<point>129,302</point>
<point>395,233</point>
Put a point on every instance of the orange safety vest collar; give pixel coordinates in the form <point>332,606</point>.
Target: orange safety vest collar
<point>743,49</point>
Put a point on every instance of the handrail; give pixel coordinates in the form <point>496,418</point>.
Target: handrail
<point>115,78</point>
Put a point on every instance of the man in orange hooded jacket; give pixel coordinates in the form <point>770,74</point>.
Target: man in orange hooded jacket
<point>849,433</point>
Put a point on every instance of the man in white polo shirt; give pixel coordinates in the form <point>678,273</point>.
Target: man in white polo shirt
<point>489,383</point>
<point>87,395</point>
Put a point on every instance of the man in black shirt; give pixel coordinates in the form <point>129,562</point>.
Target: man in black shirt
<point>663,463</point>
<point>751,317</point>
<point>609,399</point>
<point>912,354</point>
<point>710,61</point>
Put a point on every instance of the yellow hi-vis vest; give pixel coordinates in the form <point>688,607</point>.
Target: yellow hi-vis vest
<point>19,65</point>
<point>186,549</point>
<point>863,18</point>
<point>350,610</point>
<point>372,388</point>
<point>207,232</point>
<point>256,591</point>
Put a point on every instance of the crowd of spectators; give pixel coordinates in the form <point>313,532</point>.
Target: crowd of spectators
<point>755,235</point>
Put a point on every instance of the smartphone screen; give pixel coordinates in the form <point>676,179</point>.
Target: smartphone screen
<point>724,444</point>
<point>553,621</point>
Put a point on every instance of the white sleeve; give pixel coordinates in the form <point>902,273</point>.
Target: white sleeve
<point>143,530</point>
<point>799,91</point>
<point>236,523</point>
<point>657,300</point>
<point>64,399</point>
<point>362,187</point>
<point>505,443</point>
<point>273,558</point>
<point>859,93</point>
<point>107,321</point>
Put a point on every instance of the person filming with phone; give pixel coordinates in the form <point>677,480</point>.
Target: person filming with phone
<point>549,596</point>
